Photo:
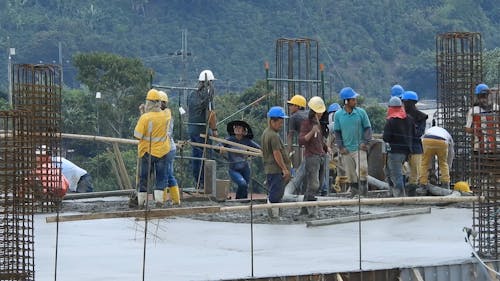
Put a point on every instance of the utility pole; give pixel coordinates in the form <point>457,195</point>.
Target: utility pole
<point>12,52</point>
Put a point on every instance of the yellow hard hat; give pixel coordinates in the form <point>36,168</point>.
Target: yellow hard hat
<point>153,95</point>
<point>462,186</point>
<point>298,100</point>
<point>163,96</point>
<point>317,104</point>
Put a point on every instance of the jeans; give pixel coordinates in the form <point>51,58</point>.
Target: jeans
<point>315,171</point>
<point>276,187</point>
<point>242,178</point>
<point>85,184</point>
<point>158,166</point>
<point>171,181</point>
<point>197,166</point>
<point>395,163</point>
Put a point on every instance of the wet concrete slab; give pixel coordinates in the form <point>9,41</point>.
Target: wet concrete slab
<point>184,249</point>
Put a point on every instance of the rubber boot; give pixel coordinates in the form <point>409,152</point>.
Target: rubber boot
<point>364,188</point>
<point>354,189</point>
<point>141,199</point>
<point>159,202</point>
<point>175,195</point>
<point>165,194</point>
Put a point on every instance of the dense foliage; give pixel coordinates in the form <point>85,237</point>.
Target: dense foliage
<point>366,45</point>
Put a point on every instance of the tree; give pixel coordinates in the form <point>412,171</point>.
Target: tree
<point>122,82</point>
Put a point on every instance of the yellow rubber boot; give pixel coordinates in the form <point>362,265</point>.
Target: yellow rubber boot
<point>175,195</point>
<point>165,194</point>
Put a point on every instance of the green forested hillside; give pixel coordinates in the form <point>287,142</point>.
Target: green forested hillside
<point>363,44</point>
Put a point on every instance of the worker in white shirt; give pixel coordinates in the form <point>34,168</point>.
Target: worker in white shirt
<point>437,142</point>
<point>79,180</point>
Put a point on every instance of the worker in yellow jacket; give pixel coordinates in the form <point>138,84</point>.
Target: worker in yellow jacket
<point>154,144</point>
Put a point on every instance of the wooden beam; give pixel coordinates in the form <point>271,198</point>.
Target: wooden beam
<point>239,151</point>
<point>122,170</point>
<point>416,274</point>
<point>249,148</point>
<point>391,214</point>
<point>99,194</point>
<point>154,213</point>
<point>338,277</point>
<point>347,202</point>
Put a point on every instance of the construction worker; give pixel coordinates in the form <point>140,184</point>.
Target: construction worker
<point>154,144</point>
<point>298,113</point>
<point>239,168</point>
<point>201,120</point>
<point>311,137</point>
<point>479,118</point>
<point>332,149</point>
<point>276,161</point>
<point>437,142</point>
<point>49,178</point>
<point>173,187</point>
<point>398,133</point>
<point>410,99</point>
<point>79,180</point>
<point>353,133</point>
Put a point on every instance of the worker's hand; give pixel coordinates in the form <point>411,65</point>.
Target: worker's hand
<point>214,133</point>
<point>142,108</point>
<point>344,151</point>
<point>180,144</point>
<point>363,146</point>
<point>286,174</point>
<point>222,149</point>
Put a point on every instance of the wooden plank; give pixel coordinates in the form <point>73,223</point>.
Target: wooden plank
<point>391,214</point>
<point>99,194</point>
<point>338,277</point>
<point>121,167</point>
<point>117,174</point>
<point>154,213</point>
<point>343,202</point>
<point>239,151</point>
<point>416,274</point>
<point>249,148</point>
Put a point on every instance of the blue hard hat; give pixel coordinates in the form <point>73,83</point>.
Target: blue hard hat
<point>348,93</point>
<point>276,112</point>
<point>481,89</point>
<point>397,91</point>
<point>410,95</point>
<point>333,107</point>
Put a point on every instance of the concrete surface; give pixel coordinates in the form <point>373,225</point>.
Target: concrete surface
<point>182,249</point>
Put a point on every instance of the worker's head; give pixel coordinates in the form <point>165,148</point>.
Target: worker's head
<point>397,91</point>
<point>163,99</point>
<point>395,102</point>
<point>153,95</point>
<point>239,129</point>
<point>482,92</point>
<point>153,101</point>
<point>276,115</point>
<point>410,99</point>
<point>316,106</point>
<point>334,107</point>
<point>206,76</point>
<point>349,97</point>
<point>296,103</point>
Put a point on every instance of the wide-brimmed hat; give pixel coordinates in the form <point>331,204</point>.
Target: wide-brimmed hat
<point>230,128</point>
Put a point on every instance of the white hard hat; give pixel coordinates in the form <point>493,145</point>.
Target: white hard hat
<point>209,75</point>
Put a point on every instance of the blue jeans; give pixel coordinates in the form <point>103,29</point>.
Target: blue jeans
<point>242,178</point>
<point>171,181</point>
<point>158,166</point>
<point>395,163</point>
<point>197,152</point>
<point>276,187</point>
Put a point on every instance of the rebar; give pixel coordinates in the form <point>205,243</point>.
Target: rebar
<point>459,69</point>
<point>17,158</point>
<point>37,88</point>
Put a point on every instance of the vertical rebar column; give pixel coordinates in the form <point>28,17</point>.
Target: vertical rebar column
<point>37,88</point>
<point>297,68</point>
<point>459,69</point>
<point>16,196</point>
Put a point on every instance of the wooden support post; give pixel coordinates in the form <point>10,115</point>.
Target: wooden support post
<point>416,274</point>
<point>121,167</point>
